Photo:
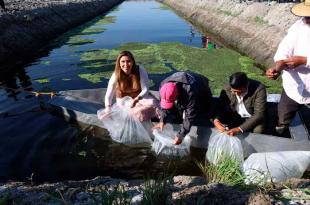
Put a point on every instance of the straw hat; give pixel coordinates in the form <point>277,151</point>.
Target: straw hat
<point>302,9</point>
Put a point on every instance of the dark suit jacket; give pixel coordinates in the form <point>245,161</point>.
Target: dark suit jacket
<point>194,98</point>
<point>254,101</point>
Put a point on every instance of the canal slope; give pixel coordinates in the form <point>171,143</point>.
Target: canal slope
<point>27,26</point>
<point>253,28</point>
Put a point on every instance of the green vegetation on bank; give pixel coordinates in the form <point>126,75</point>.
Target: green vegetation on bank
<point>163,58</point>
<point>156,191</point>
<point>260,20</point>
<point>226,171</point>
<point>227,13</point>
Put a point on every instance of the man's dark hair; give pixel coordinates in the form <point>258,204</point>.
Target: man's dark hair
<point>238,80</point>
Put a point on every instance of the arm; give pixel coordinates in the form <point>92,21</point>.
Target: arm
<point>110,91</point>
<point>144,83</point>
<point>219,111</point>
<point>259,111</point>
<point>284,51</point>
<point>190,115</point>
<point>163,115</point>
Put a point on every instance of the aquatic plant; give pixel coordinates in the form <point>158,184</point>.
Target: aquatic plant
<point>106,20</point>
<point>45,62</point>
<point>92,30</point>
<point>78,40</point>
<point>89,28</point>
<point>160,59</point>
<point>42,80</point>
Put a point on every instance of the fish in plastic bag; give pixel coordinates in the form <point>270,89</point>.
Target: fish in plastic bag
<point>163,143</point>
<point>123,126</point>
<point>275,166</point>
<point>221,145</point>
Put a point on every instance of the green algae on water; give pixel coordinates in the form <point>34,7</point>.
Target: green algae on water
<point>96,77</point>
<point>88,28</point>
<point>163,58</point>
<point>92,30</point>
<point>77,40</point>
<point>106,20</point>
<point>42,80</point>
<point>45,62</point>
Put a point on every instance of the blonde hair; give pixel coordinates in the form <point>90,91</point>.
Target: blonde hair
<point>125,82</point>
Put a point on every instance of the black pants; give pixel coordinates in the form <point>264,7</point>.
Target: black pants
<point>287,109</point>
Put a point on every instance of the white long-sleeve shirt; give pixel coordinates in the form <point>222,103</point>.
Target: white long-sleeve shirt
<point>296,81</point>
<point>144,80</point>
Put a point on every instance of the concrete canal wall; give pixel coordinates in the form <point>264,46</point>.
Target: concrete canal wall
<point>253,28</point>
<point>28,25</point>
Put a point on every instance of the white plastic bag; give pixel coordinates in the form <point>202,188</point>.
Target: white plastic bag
<point>275,166</point>
<point>163,143</point>
<point>222,145</point>
<point>122,125</point>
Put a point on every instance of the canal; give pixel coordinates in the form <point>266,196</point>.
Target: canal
<point>38,146</point>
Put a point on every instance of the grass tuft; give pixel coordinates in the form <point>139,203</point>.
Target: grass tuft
<point>156,191</point>
<point>226,171</point>
<point>117,195</point>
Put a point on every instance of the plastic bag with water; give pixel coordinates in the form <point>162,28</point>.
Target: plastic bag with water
<point>221,145</point>
<point>123,126</point>
<point>275,166</point>
<point>163,143</point>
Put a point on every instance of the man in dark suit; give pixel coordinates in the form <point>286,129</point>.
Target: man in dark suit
<point>242,106</point>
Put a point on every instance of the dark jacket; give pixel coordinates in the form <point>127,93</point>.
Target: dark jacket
<point>254,102</point>
<point>194,99</point>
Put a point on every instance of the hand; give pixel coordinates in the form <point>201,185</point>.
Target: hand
<point>272,73</point>
<point>177,140</point>
<point>295,61</point>
<point>219,125</point>
<point>105,113</point>
<point>233,131</point>
<point>159,126</point>
<point>135,101</point>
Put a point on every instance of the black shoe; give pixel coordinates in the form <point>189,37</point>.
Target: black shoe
<point>282,130</point>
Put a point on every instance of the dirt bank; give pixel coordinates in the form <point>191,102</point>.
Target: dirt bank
<point>254,29</point>
<point>28,25</point>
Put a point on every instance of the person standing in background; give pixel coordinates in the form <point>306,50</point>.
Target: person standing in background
<point>292,59</point>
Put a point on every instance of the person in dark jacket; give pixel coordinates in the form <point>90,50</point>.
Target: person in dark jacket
<point>185,96</point>
<point>242,106</point>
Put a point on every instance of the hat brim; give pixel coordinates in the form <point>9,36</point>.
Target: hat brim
<point>301,10</point>
<point>166,105</point>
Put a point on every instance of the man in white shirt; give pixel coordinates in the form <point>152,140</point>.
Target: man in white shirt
<point>293,60</point>
<point>241,106</point>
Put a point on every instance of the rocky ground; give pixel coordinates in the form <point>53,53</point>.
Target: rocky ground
<point>13,6</point>
<point>185,190</point>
